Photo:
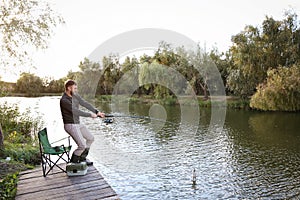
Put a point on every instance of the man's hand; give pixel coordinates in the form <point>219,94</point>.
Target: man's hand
<point>93,115</point>
<point>101,114</point>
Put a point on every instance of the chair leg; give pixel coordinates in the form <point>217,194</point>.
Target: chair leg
<point>55,164</point>
<point>47,162</point>
<point>43,165</point>
<point>68,155</point>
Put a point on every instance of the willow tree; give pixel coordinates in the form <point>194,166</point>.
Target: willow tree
<point>24,25</point>
<point>110,74</point>
<point>280,92</point>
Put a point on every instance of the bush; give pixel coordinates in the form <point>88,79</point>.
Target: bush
<point>12,120</point>
<point>19,129</point>
<point>169,101</point>
<point>281,92</point>
<point>26,153</point>
<point>103,98</point>
<point>238,104</point>
<point>8,186</point>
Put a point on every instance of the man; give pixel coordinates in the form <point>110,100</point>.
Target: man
<point>69,106</point>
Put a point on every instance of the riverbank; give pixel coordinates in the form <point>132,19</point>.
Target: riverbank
<point>231,101</point>
<point>32,95</point>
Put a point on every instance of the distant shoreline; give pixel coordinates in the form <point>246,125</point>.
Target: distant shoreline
<point>232,101</point>
<point>32,95</point>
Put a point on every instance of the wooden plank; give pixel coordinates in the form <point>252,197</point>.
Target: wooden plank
<point>111,198</point>
<point>32,185</point>
<point>44,184</point>
<point>39,176</point>
<point>53,185</point>
<point>68,191</point>
<point>86,193</point>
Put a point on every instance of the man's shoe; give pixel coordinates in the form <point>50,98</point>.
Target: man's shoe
<point>84,154</point>
<point>89,163</point>
<point>75,159</point>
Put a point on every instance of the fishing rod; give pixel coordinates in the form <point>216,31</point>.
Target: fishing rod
<point>128,116</point>
<point>109,118</point>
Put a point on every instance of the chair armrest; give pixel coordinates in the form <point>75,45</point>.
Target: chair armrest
<point>68,137</point>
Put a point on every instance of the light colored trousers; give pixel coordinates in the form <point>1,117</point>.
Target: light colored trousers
<point>81,135</point>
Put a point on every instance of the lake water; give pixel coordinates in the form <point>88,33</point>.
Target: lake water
<point>255,155</point>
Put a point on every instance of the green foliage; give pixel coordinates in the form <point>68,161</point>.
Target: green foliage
<point>222,61</point>
<point>20,144</point>
<point>231,103</point>
<point>32,85</point>
<point>51,85</point>
<point>280,92</point>
<point>88,78</point>
<point>110,74</point>
<point>24,23</point>
<point>205,75</point>
<point>169,101</point>
<point>241,84</point>
<point>20,141</point>
<point>29,84</point>
<point>8,186</point>
<point>204,104</point>
<point>6,88</point>
<point>12,120</point>
<point>258,49</point>
<point>159,79</point>
<point>238,104</point>
<point>27,153</point>
<point>8,117</point>
<point>134,100</point>
<point>103,98</point>
<point>130,70</point>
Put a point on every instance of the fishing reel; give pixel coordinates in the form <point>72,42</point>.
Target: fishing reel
<point>108,120</point>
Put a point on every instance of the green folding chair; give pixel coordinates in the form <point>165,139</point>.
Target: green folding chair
<point>48,152</point>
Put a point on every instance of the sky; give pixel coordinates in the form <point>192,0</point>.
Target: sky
<point>89,23</point>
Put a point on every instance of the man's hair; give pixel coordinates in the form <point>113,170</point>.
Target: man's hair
<point>69,83</point>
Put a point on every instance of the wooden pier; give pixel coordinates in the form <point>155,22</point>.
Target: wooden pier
<point>57,185</point>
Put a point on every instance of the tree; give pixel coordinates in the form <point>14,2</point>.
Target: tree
<point>29,84</point>
<point>51,85</point>
<point>24,24</point>
<point>152,70</point>
<point>258,49</point>
<point>130,71</point>
<point>222,61</point>
<point>198,68</point>
<point>201,61</point>
<point>110,74</point>
<point>57,86</point>
<point>88,77</point>
<point>280,92</point>
<point>153,76</point>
